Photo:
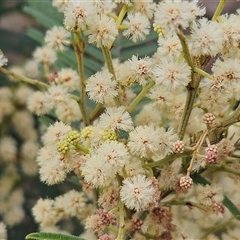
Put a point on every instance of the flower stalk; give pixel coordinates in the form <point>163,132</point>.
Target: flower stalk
<point>108,59</point>
<point>168,159</point>
<point>95,112</point>
<point>196,150</point>
<point>37,83</point>
<point>121,229</point>
<point>191,88</point>
<point>189,204</point>
<point>121,15</point>
<point>79,45</point>
<point>219,9</point>
<point>140,96</point>
<point>28,80</point>
<point>191,95</point>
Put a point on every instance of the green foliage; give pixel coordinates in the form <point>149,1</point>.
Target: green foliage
<point>126,48</point>
<point>226,201</point>
<point>44,12</point>
<point>51,236</point>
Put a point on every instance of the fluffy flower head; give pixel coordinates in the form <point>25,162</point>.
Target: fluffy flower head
<point>101,88</point>
<point>145,7</point>
<point>45,54</point>
<point>97,172</point>
<point>8,149</point>
<point>74,203</point>
<point>116,119</point>
<point>68,78</point>
<point>55,133</point>
<point>141,69</point>
<point>60,4</point>
<point>104,7</point>
<point>138,26</point>
<point>206,38</point>
<point>138,193</point>
<point>166,141</point>
<point>208,195</point>
<point>169,46</point>
<point>52,172</point>
<point>113,153</point>
<point>173,15</point>
<point>3,231</point>
<point>57,94</point>
<point>143,140</point>
<point>57,38</point>
<point>173,75</point>
<point>76,14</point>
<point>102,31</point>
<point>44,213</point>
<point>3,59</point>
<point>226,73</point>
<point>38,103</point>
<point>69,112</point>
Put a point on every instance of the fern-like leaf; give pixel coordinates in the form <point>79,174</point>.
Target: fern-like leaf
<point>51,236</point>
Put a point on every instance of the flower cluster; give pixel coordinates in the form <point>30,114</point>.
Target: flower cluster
<point>18,150</point>
<point>143,135</point>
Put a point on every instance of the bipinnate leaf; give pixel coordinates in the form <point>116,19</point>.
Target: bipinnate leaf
<point>51,236</point>
<point>44,12</point>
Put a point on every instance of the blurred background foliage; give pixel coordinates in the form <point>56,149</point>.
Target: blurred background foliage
<point>14,42</point>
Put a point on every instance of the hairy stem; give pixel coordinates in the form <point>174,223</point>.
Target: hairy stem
<point>108,60</point>
<point>185,49</point>
<point>191,94</point>
<point>184,203</point>
<point>95,112</point>
<point>121,15</point>
<point>37,83</point>
<point>31,81</point>
<point>168,159</point>
<point>79,46</point>
<point>196,149</point>
<point>121,228</point>
<point>191,88</point>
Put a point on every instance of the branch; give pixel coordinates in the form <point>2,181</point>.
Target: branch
<point>140,96</point>
<point>37,83</point>
<point>79,46</point>
<point>219,9</point>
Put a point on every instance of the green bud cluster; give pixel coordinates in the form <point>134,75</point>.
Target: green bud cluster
<point>63,146</point>
<point>73,137</point>
<point>109,135</point>
<point>158,30</point>
<point>86,132</point>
